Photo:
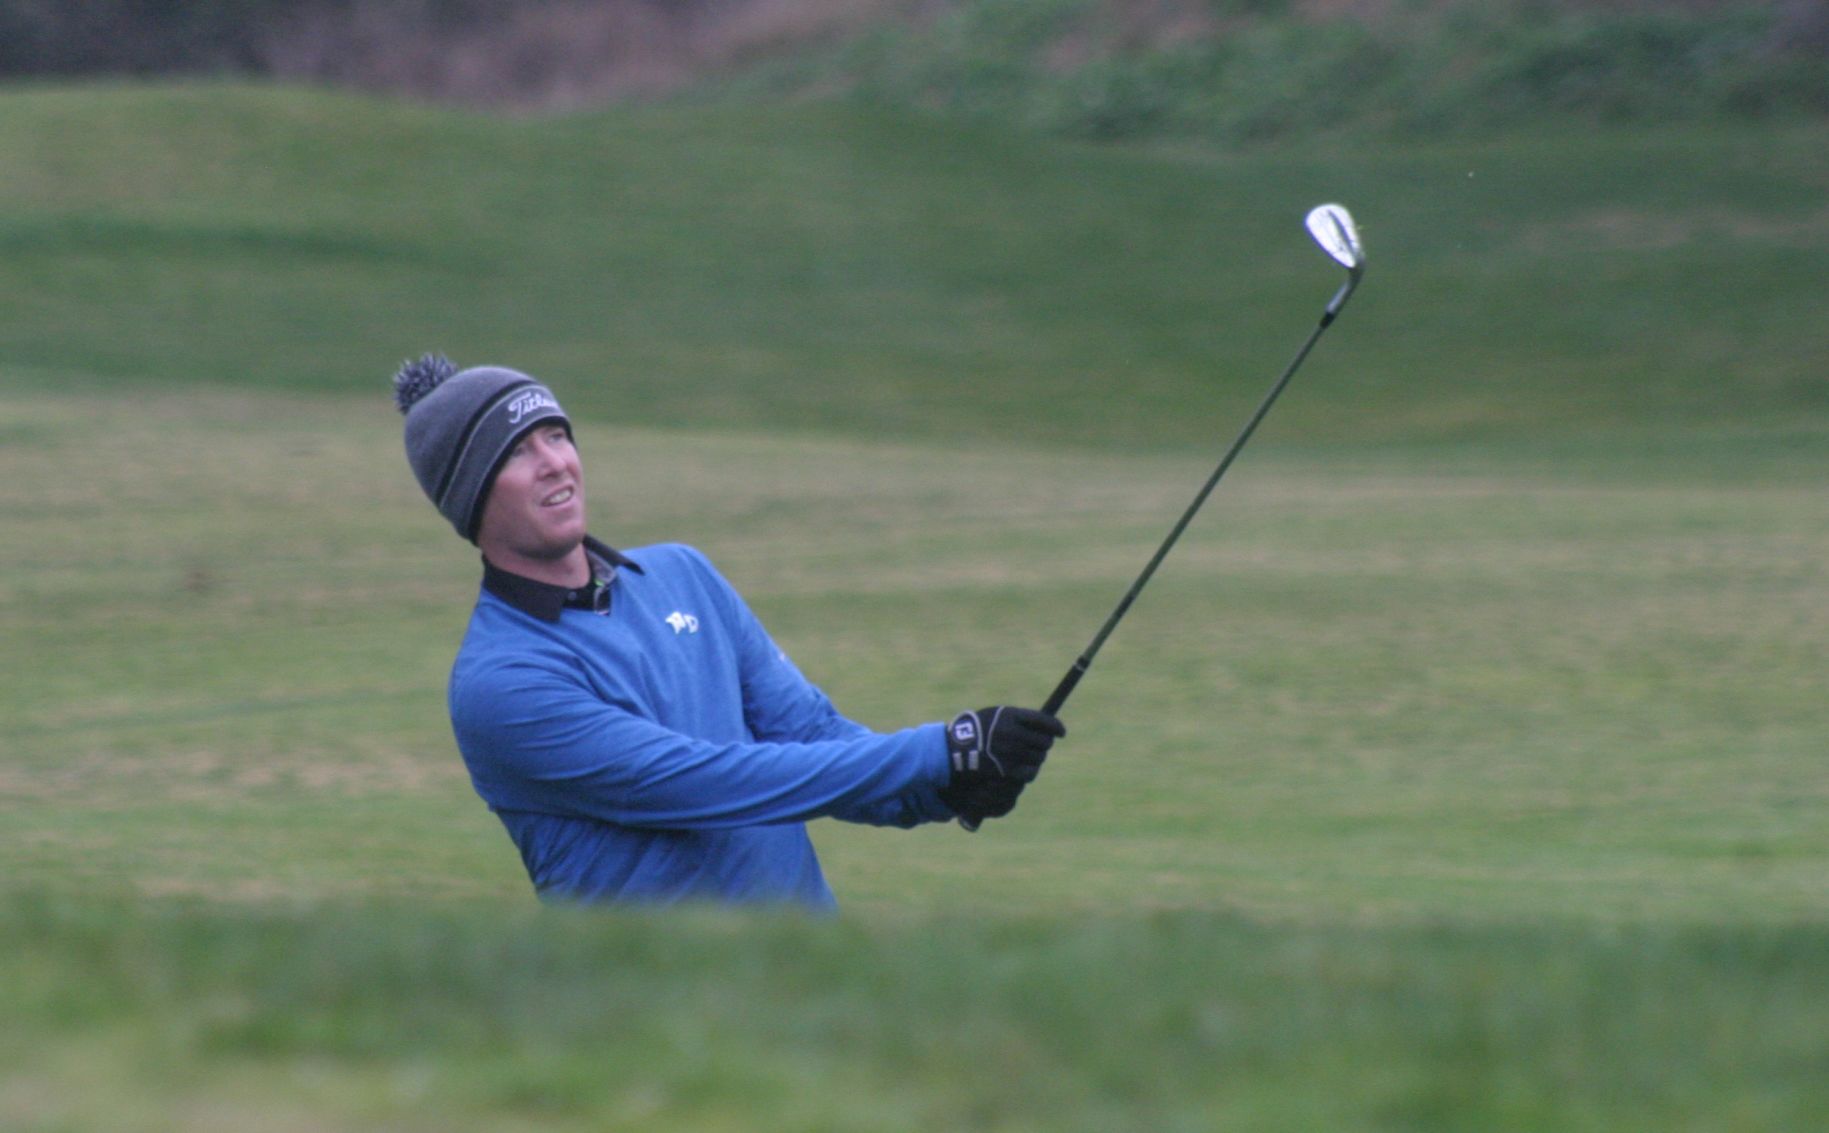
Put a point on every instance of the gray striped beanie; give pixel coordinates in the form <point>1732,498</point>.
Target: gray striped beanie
<point>461,426</point>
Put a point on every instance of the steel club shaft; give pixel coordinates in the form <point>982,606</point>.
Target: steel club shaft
<point>1333,229</point>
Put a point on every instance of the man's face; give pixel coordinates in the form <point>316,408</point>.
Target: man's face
<point>534,516</point>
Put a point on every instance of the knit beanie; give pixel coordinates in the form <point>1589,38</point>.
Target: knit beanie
<point>461,426</point>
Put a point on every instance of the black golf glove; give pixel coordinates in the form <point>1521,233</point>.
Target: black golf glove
<point>996,752</point>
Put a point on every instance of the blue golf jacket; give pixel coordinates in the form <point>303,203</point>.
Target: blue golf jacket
<point>645,741</point>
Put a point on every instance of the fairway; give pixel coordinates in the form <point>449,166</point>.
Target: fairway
<point>1461,769</point>
<point>1391,683</point>
<point>1377,689</point>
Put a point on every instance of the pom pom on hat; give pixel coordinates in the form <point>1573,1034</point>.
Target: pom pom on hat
<point>416,379</point>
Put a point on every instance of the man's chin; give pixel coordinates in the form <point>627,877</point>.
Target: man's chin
<point>546,548</point>
<point>560,547</point>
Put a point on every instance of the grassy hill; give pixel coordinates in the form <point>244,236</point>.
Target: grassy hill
<point>822,268</point>
<point>1462,769</point>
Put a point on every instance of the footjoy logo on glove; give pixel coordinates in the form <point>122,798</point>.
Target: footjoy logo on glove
<point>683,623</point>
<point>965,731</point>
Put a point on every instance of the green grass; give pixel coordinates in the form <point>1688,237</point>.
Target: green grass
<point>820,268</point>
<point>1405,683</point>
<point>1425,789</point>
<point>370,1018</point>
<point>1461,769</point>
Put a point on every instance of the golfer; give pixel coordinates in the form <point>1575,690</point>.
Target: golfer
<point>625,715</point>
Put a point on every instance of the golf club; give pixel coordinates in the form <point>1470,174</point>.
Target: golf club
<point>1332,227</point>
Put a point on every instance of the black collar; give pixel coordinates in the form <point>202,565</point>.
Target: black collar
<point>545,601</point>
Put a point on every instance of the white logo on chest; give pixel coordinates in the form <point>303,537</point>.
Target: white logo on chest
<point>682,623</point>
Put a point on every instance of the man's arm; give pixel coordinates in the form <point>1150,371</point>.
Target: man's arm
<point>537,739</point>
<point>781,704</point>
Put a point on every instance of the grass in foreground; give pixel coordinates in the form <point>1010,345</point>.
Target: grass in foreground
<point>167,1016</point>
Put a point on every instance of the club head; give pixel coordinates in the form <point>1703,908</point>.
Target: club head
<point>1333,229</point>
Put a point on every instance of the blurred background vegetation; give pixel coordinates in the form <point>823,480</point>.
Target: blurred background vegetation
<point>1232,71</point>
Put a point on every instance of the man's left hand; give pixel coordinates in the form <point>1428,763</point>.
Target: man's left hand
<point>996,752</point>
